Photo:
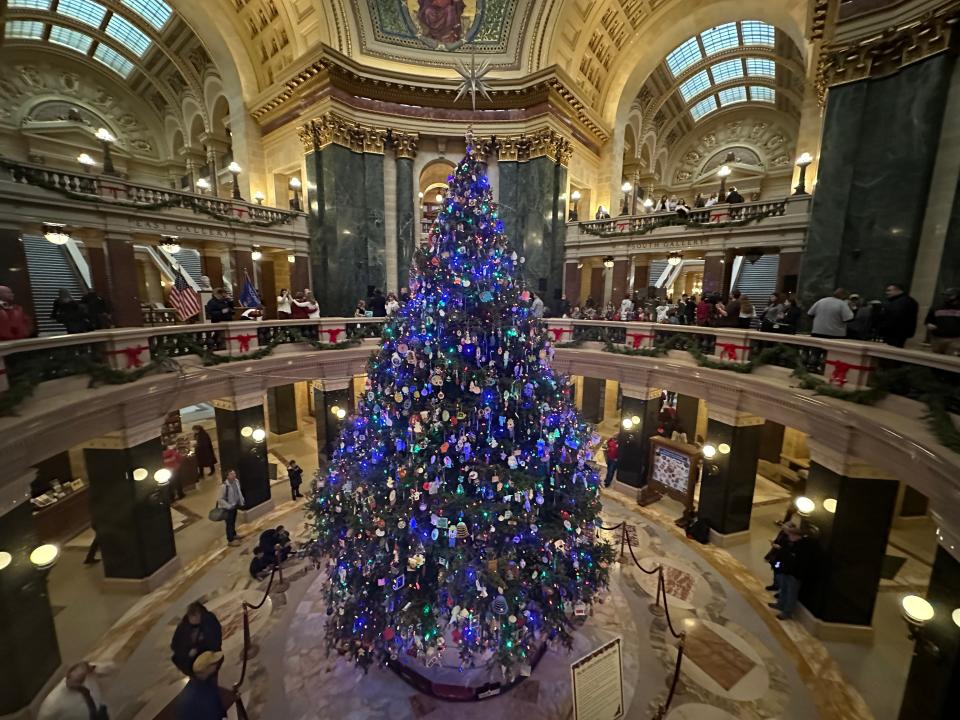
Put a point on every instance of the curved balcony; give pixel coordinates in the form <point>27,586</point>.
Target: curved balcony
<point>890,408</point>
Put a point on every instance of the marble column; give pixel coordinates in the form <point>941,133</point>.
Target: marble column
<point>876,163</point>
<point>242,452</point>
<point>641,405</point>
<point>13,269</point>
<point>594,395</point>
<point>620,277</point>
<point>840,590</point>
<point>282,409</point>
<point>933,683</point>
<point>713,272</point>
<point>29,652</point>
<point>688,411</point>
<point>346,223</point>
<point>571,283</point>
<point>390,220</point>
<point>328,394</point>
<point>533,210</point>
<point>641,277</point>
<point>407,227</point>
<point>123,293</point>
<point>726,488</point>
<point>130,510</point>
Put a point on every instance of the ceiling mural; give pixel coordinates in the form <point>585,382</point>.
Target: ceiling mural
<point>424,31</point>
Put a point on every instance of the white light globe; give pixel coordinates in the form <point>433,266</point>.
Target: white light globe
<point>246,431</point>
<point>44,556</point>
<point>162,476</point>
<point>5,559</point>
<point>259,434</point>
<point>916,609</point>
<point>140,474</point>
<point>804,505</point>
<point>709,451</point>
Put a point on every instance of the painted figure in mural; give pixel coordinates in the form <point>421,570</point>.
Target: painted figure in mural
<point>441,20</point>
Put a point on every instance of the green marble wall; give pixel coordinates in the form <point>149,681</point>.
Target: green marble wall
<point>347,237</point>
<point>876,160</point>
<point>533,218</point>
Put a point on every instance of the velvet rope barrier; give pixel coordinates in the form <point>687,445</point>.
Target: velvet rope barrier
<point>248,643</point>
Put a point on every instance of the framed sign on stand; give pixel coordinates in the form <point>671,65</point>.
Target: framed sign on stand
<point>673,470</point>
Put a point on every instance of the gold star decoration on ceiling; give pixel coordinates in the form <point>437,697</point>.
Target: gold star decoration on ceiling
<point>473,80</point>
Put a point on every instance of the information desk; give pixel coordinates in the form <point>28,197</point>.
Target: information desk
<point>66,518</point>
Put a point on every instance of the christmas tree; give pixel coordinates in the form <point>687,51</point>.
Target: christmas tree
<point>458,511</point>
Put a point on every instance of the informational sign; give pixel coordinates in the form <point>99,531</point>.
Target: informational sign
<point>598,684</point>
<point>674,468</point>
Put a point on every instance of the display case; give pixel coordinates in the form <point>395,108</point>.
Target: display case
<point>62,512</point>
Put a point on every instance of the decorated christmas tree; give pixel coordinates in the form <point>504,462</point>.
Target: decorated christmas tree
<point>458,512</point>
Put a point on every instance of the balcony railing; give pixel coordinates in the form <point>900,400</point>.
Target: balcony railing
<point>715,215</point>
<point>844,365</point>
<point>115,190</point>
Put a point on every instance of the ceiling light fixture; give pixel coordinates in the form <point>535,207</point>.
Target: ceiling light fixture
<point>55,233</point>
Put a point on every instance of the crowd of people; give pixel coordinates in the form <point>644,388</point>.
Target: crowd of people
<point>841,315</point>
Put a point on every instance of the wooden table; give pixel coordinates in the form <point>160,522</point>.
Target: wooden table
<point>65,519</point>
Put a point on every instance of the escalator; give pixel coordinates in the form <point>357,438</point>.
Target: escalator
<point>51,268</point>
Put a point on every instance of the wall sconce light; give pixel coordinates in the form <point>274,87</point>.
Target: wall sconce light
<point>170,243</point>
<point>439,198</point>
<point>291,258</point>
<point>162,476</point>
<point>335,409</point>
<point>140,474</point>
<point>709,451</point>
<point>259,435</point>
<point>723,448</point>
<point>675,258</point>
<point>805,506</point>
<point>246,431</point>
<point>830,505</point>
<point>627,424</point>
<point>55,233</point>
<point>45,556</point>
<point>203,185</point>
<point>803,162</point>
<point>259,197</point>
<point>256,254</point>
<point>5,560</point>
<point>917,612</point>
<point>608,261</point>
<point>235,170</point>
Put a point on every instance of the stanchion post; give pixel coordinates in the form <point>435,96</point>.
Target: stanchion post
<point>623,538</point>
<point>655,608</point>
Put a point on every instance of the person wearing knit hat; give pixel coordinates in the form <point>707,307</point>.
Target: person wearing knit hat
<point>200,699</point>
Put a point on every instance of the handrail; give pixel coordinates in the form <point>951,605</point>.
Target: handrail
<point>874,350</point>
<point>117,190</point>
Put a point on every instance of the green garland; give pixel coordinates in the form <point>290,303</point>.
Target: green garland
<point>178,201</point>
<point>678,222</point>
<point>24,383</point>
<point>919,382</point>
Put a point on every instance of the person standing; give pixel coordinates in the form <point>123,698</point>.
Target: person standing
<point>71,314</point>
<point>898,316</point>
<point>747,313</point>
<point>377,303</point>
<point>626,308</point>
<point>790,567</point>
<point>230,500</point>
<point>15,324</point>
<point>172,459</point>
<point>393,305</point>
<point>831,315</point>
<point>205,455</point>
<point>690,310</point>
<point>76,697</point>
<point>198,631</point>
<point>703,311</point>
<point>612,452</point>
<point>295,476</point>
<point>771,313</point>
<point>536,307</point>
<point>200,698</point>
<point>220,307</point>
<point>789,317</point>
<point>863,323</point>
<point>731,311</point>
<point>943,322</point>
<point>98,310</point>
<point>734,197</point>
<point>284,305</point>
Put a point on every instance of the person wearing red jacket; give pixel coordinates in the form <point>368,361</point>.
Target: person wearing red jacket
<point>613,455</point>
<point>15,324</point>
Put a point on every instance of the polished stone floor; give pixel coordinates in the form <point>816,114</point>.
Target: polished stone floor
<point>740,661</point>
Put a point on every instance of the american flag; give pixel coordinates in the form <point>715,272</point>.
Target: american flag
<point>184,298</point>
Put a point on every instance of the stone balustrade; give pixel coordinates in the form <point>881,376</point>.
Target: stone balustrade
<point>117,191</point>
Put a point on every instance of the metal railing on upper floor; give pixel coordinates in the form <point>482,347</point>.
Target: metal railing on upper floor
<point>113,190</point>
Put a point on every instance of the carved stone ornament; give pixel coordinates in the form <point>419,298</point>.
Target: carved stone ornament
<point>543,143</point>
<point>333,129</point>
<point>405,144</point>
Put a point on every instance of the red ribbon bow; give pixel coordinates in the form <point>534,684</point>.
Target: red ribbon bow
<point>244,341</point>
<point>638,338</point>
<point>728,351</point>
<point>840,370</point>
<point>558,333</point>
<point>132,354</point>
<point>333,334</point>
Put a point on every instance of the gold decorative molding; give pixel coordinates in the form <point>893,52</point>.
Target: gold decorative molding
<point>888,51</point>
<point>405,144</point>
<point>542,143</point>
<point>334,129</point>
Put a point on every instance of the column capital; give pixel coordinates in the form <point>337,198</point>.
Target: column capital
<point>542,143</point>
<point>238,402</point>
<point>405,144</point>
<point>334,129</point>
<point>330,384</point>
